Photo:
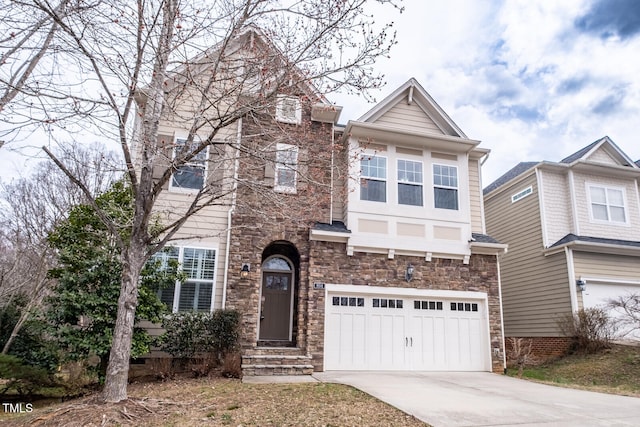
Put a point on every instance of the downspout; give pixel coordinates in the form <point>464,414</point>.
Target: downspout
<point>230,212</point>
<point>333,133</point>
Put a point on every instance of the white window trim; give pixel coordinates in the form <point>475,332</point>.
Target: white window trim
<point>457,187</point>
<point>398,181</point>
<point>178,189</point>
<point>590,185</point>
<point>292,189</point>
<point>281,117</point>
<point>385,180</point>
<point>178,284</point>
<point>522,194</point>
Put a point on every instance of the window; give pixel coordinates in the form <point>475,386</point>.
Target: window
<point>288,110</point>
<point>607,204</point>
<point>196,292</point>
<point>373,182</point>
<point>445,186</point>
<point>521,194</point>
<point>190,175</point>
<point>409,183</point>
<point>286,165</point>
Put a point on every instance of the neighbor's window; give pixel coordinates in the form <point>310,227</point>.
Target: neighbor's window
<point>607,204</point>
<point>409,183</point>
<point>445,186</point>
<point>195,293</point>
<point>286,166</point>
<point>288,109</point>
<point>373,178</point>
<point>190,175</point>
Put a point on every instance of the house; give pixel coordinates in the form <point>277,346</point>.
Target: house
<point>573,230</point>
<point>349,247</point>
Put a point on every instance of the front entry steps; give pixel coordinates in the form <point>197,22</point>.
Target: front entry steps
<point>276,361</point>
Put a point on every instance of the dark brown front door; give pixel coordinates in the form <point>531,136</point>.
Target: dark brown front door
<point>275,315</point>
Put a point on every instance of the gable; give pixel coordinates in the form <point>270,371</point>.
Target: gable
<point>602,156</point>
<point>409,116</point>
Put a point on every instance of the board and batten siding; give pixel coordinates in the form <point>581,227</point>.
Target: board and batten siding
<point>599,229</point>
<point>408,116</point>
<point>557,206</point>
<point>534,287</point>
<point>475,197</point>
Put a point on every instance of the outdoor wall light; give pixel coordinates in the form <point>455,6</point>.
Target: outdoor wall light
<point>244,272</point>
<point>582,284</point>
<point>408,275</point>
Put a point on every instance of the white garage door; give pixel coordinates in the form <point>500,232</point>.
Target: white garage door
<point>395,332</point>
<point>599,294</point>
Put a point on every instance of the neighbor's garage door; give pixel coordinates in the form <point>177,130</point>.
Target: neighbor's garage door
<point>599,294</point>
<point>386,332</point>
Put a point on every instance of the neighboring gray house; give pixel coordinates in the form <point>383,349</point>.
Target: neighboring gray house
<point>573,230</point>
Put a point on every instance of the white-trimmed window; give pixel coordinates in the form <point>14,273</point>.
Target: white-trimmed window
<point>410,183</point>
<point>191,175</point>
<point>286,168</point>
<point>373,178</point>
<point>607,204</point>
<point>288,109</point>
<point>445,186</point>
<point>521,194</point>
<point>195,293</point>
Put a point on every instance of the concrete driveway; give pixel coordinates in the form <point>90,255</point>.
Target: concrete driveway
<point>484,399</point>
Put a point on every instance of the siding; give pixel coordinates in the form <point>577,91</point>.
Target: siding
<point>557,206</point>
<point>601,156</point>
<point>409,116</point>
<point>475,194</point>
<point>534,287</point>
<point>613,231</point>
<point>606,266</point>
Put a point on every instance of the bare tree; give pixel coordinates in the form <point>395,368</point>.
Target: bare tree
<point>627,308</point>
<point>31,207</point>
<point>124,68</point>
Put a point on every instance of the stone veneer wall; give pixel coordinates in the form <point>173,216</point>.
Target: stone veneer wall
<point>329,263</point>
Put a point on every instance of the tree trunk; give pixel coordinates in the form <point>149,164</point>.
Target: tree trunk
<point>115,386</point>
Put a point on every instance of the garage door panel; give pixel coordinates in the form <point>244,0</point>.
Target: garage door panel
<point>390,333</point>
<point>599,294</point>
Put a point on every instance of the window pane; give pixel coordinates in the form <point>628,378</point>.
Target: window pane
<point>615,197</point>
<point>446,198</point>
<point>598,195</point>
<point>166,296</point>
<point>276,264</point>
<point>373,190</point>
<point>373,167</point>
<point>410,194</point>
<point>286,178</point>
<point>617,214</point>
<point>195,296</point>
<point>600,212</point>
<point>199,263</point>
<point>188,177</point>
<point>409,171</point>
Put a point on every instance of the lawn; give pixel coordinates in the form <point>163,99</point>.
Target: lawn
<point>615,371</point>
<point>223,402</point>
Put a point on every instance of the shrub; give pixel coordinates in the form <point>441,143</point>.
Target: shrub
<point>205,337</point>
<point>22,379</point>
<point>520,354</point>
<point>591,329</point>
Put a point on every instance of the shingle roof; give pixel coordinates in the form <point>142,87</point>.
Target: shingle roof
<point>483,238</point>
<point>517,170</point>
<point>337,226</point>
<point>638,163</point>
<point>573,238</point>
<point>578,154</point>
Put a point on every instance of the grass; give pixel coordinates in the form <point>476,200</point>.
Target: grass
<point>615,371</point>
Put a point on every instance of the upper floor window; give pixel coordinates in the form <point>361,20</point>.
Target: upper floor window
<point>288,110</point>
<point>195,293</point>
<point>286,167</point>
<point>445,186</point>
<point>607,204</point>
<point>373,181</point>
<point>190,175</point>
<point>409,183</point>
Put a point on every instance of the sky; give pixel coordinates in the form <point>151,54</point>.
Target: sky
<point>532,80</point>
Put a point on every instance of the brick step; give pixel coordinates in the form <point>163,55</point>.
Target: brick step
<point>274,351</point>
<point>276,361</point>
<point>273,359</point>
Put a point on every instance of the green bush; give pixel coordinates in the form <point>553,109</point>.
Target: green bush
<point>192,334</point>
<point>23,379</point>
